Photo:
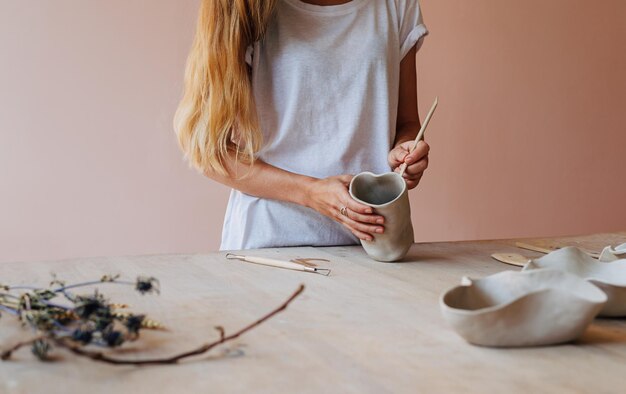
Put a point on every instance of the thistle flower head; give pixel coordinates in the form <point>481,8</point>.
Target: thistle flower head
<point>146,285</point>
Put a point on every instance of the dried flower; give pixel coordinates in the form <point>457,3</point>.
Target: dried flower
<point>109,278</point>
<point>146,284</point>
<point>113,338</point>
<point>86,306</point>
<point>56,281</point>
<point>134,323</point>
<point>41,348</point>
<point>44,294</point>
<point>91,320</point>
<point>83,336</point>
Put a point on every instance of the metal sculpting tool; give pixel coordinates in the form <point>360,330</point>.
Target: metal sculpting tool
<point>290,265</point>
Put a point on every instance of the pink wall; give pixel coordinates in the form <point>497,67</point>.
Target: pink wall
<point>527,139</point>
<point>89,160</point>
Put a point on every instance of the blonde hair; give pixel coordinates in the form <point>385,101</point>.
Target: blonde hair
<point>217,115</point>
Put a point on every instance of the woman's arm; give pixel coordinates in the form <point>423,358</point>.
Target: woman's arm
<point>408,125</point>
<point>327,196</point>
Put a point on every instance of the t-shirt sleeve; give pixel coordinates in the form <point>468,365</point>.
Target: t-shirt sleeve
<point>412,28</point>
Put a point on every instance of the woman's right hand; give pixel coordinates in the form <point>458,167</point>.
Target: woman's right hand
<point>329,195</point>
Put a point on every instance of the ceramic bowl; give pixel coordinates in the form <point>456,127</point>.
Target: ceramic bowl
<point>609,276</point>
<point>387,194</point>
<point>531,308</point>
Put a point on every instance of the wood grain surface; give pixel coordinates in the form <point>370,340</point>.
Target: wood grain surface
<point>593,244</point>
<point>370,327</point>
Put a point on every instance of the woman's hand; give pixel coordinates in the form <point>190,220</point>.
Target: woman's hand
<point>330,197</point>
<point>417,161</point>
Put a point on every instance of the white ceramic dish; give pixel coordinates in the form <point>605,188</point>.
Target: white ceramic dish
<point>611,254</point>
<point>387,194</point>
<point>608,276</point>
<point>532,308</point>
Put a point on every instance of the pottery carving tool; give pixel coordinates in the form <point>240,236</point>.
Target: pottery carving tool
<point>541,249</point>
<point>290,265</point>
<point>308,262</point>
<point>420,135</point>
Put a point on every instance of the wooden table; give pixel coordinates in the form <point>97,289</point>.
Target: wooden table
<point>369,327</point>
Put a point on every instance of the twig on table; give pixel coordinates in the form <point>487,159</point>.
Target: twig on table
<point>6,354</point>
<point>99,356</point>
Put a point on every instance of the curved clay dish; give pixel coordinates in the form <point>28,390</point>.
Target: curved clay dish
<point>532,308</point>
<point>611,254</point>
<point>387,194</point>
<point>609,276</point>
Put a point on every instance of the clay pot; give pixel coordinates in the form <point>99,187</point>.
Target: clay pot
<point>387,194</point>
<point>608,276</point>
<point>530,308</point>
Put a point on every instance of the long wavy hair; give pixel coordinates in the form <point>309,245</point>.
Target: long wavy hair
<point>217,115</point>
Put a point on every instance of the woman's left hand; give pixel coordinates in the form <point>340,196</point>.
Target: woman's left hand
<point>417,161</point>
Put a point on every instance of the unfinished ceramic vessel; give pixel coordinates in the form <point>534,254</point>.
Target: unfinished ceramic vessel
<point>387,194</point>
<point>608,276</point>
<point>613,253</point>
<point>532,308</point>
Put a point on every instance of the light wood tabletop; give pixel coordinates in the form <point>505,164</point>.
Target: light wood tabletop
<point>368,327</point>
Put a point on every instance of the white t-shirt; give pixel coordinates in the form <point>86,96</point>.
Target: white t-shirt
<point>325,81</point>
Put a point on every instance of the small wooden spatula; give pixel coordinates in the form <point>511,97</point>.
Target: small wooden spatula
<point>511,258</point>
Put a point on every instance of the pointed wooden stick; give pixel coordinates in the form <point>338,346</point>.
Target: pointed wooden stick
<point>420,135</point>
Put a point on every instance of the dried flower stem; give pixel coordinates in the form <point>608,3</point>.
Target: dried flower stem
<point>8,309</point>
<point>98,356</point>
<point>92,283</point>
<point>6,354</point>
<point>7,295</point>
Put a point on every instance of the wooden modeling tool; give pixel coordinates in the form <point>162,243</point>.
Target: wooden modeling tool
<point>511,258</point>
<point>541,249</point>
<point>534,248</point>
<point>420,135</point>
<point>279,264</point>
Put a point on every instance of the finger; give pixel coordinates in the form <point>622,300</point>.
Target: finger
<point>398,154</point>
<point>417,168</point>
<point>420,152</point>
<point>415,177</point>
<point>374,219</point>
<point>360,235</point>
<point>357,206</point>
<point>363,227</point>
<point>412,183</point>
<point>407,145</point>
<point>348,223</point>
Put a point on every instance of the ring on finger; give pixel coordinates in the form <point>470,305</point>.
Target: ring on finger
<point>344,211</point>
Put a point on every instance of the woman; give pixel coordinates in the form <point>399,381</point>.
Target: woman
<point>286,99</point>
